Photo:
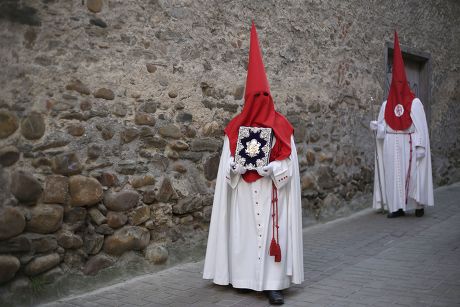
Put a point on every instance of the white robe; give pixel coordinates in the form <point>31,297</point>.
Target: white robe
<point>241,228</point>
<point>393,161</point>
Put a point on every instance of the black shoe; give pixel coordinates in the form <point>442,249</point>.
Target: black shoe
<point>398,213</point>
<point>419,212</point>
<point>275,297</point>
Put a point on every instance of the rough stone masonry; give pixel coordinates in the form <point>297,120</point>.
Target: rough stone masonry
<point>112,115</point>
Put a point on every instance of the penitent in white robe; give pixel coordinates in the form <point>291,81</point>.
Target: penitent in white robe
<point>393,151</point>
<point>241,228</point>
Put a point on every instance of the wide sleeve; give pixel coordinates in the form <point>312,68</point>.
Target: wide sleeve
<point>424,191</point>
<point>231,178</point>
<point>419,119</point>
<point>282,172</point>
<point>381,128</point>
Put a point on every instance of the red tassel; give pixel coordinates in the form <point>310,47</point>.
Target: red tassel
<point>273,247</point>
<point>277,253</point>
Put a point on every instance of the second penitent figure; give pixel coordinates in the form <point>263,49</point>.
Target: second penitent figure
<point>403,179</point>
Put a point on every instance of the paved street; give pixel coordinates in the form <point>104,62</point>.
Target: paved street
<point>363,260</point>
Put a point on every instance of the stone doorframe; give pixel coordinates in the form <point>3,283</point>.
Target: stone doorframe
<point>423,59</point>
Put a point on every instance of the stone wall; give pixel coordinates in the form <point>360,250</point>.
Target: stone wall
<point>112,116</point>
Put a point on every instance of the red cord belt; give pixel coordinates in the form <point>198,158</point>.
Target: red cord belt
<point>275,249</point>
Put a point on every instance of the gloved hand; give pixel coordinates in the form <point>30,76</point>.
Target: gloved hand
<point>265,170</point>
<point>374,125</point>
<point>379,128</point>
<point>419,152</point>
<point>237,168</point>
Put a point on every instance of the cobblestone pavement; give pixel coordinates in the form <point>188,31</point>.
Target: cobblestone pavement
<point>363,260</point>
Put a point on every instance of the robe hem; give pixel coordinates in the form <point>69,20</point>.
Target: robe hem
<point>249,284</point>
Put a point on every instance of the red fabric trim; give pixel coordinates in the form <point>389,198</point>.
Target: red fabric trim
<point>399,94</point>
<point>259,110</point>
<point>256,79</point>
<point>275,249</point>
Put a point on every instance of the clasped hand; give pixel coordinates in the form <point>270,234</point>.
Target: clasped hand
<point>374,125</point>
<point>265,171</point>
<point>237,168</point>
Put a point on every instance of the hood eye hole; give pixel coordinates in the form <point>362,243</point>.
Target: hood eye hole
<point>265,94</point>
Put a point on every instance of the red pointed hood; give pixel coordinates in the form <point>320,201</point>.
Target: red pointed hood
<point>256,79</point>
<point>400,96</point>
<point>259,110</point>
